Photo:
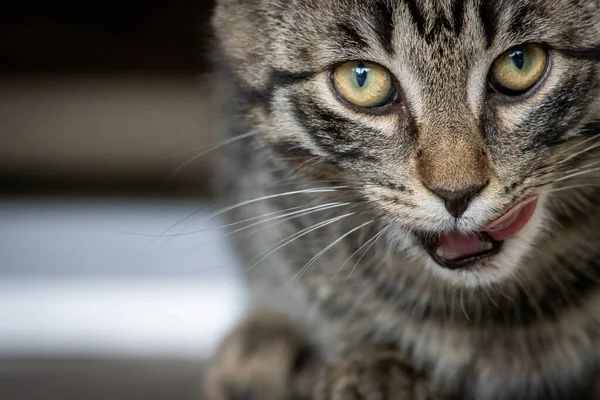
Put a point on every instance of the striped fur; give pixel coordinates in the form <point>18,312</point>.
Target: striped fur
<point>526,323</point>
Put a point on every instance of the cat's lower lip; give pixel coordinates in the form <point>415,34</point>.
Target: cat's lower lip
<point>454,250</point>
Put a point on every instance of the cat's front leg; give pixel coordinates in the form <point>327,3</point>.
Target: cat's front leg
<point>377,376</point>
<point>265,358</point>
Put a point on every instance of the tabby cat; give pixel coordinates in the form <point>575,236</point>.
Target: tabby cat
<point>415,190</point>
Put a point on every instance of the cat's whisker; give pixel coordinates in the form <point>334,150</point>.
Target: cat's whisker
<point>298,213</point>
<point>318,255</point>
<point>290,216</point>
<point>567,150</point>
<point>543,184</point>
<point>562,188</point>
<point>262,216</point>
<point>206,148</point>
<point>578,153</point>
<point>524,284</point>
<point>572,174</point>
<point>489,296</point>
<point>299,167</point>
<point>353,255</point>
<point>581,168</point>
<point>296,236</point>
<point>210,148</point>
<point>273,196</point>
<point>564,178</point>
<point>462,305</point>
<point>277,185</point>
<point>278,222</point>
<point>293,217</point>
<point>362,256</point>
<point>555,169</point>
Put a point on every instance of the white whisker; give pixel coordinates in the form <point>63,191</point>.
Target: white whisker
<point>564,178</point>
<point>298,235</point>
<point>560,189</point>
<point>256,200</point>
<point>209,149</point>
<point>291,215</point>
<point>375,237</point>
<point>462,305</point>
<point>299,167</point>
<point>589,148</point>
<point>280,184</point>
<point>580,143</point>
<point>582,168</point>
<point>316,257</point>
<point>273,196</point>
<point>362,256</point>
<point>262,216</point>
<point>296,214</point>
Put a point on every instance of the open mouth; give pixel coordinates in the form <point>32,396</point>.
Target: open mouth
<point>455,250</point>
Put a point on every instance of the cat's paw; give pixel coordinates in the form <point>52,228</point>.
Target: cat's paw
<point>381,377</point>
<point>264,358</point>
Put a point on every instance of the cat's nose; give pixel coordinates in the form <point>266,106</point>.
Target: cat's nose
<point>457,201</point>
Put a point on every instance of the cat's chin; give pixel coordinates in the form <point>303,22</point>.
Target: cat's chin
<point>472,251</point>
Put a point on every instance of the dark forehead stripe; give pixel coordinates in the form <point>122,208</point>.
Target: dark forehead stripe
<point>416,15</point>
<point>523,18</point>
<point>384,24</point>
<point>440,22</point>
<point>587,54</point>
<point>440,25</point>
<point>277,79</point>
<point>347,34</point>
<point>489,16</point>
<point>458,11</point>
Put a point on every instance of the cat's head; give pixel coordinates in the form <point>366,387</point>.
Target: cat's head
<point>455,118</point>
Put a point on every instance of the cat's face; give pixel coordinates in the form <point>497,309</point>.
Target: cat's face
<point>453,117</point>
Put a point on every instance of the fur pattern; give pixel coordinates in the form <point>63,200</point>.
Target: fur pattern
<point>524,324</point>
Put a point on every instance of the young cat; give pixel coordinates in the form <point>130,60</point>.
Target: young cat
<point>419,180</point>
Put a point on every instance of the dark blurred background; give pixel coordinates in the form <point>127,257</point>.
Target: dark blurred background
<point>104,96</point>
<point>105,107</point>
<point>110,36</point>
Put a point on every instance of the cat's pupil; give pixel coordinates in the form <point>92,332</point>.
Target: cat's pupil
<point>361,74</point>
<point>518,58</point>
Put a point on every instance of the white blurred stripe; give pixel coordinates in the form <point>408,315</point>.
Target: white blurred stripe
<point>73,282</point>
<point>141,317</point>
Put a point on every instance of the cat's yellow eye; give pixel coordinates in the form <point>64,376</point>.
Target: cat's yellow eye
<point>363,84</point>
<point>519,69</point>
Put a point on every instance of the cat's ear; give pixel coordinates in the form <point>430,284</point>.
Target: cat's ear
<point>242,33</point>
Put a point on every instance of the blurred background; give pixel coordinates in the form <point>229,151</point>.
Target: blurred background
<point>105,112</point>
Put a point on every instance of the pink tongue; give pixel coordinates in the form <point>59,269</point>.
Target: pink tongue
<point>456,245</point>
